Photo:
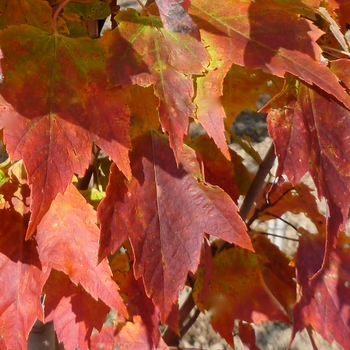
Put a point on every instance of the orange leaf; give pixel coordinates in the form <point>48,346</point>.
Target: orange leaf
<point>68,241</point>
<point>133,336</point>
<point>236,290</point>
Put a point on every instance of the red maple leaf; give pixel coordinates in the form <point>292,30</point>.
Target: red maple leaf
<point>52,100</point>
<point>165,210</point>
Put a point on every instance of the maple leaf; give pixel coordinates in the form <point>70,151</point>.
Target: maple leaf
<point>36,13</point>
<point>21,274</point>
<point>217,169</point>
<point>74,312</point>
<point>255,35</point>
<point>67,239</point>
<point>137,303</point>
<point>283,197</point>
<point>236,290</point>
<point>175,18</point>
<point>153,55</point>
<point>165,210</point>
<point>323,301</point>
<point>132,336</point>
<point>238,93</point>
<point>53,129</point>
<point>247,336</point>
<point>311,134</point>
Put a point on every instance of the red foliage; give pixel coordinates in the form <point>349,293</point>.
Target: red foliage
<point>170,216</point>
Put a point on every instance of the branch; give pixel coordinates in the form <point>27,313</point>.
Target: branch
<point>258,182</point>
<point>169,336</point>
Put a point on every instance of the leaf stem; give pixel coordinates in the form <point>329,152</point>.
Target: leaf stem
<point>57,12</point>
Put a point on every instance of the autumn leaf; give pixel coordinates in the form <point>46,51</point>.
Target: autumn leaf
<point>133,336</point>
<point>255,35</point>
<point>153,55</point>
<point>323,301</point>
<point>22,276</point>
<point>217,170</point>
<point>238,93</point>
<point>74,312</point>
<point>175,18</point>
<point>314,138</point>
<point>68,241</point>
<point>247,336</point>
<point>165,210</point>
<point>134,295</point>
<point>52,131</point>
<point>236,290</point>
<point>35,13</point>
<point>284,197</point>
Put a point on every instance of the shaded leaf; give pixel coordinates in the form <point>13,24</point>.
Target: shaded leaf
<point>143,110</point>
<point>238,93</point>
<point>74,312</point>
<point>277,271</point>
<point>284,197</point>
<point>152,55</point>
<point>53,130</point>
<point>175,18</point>
<point>217,169</point>
<point>21,274</point>
<point>36,13</point>
<point>236,290</point>
<point>68,241</point>
<point>324,300</point>
<point>165,210</point>
<point>133,336</point>
<point>255,35</point>
<point>134,295</point>
<point>317,129</point>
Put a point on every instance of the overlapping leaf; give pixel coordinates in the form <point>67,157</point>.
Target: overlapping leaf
<point>312,134</point>
<point>135,297</point>
<point>255,35</point>
<point>236,290</point>
<point>53,96</point>
<point>68,241</point>
<point>21,274</point>
<point>238,93</point>
<point>150,54</point>
<point>132,336</point>
<point>36,13</point>
<point>165,210</point>
<point>74,312</point>
<point>175,17</point>
<point>324,300</point>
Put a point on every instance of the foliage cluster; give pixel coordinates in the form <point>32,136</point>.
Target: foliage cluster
<point>105,200</point>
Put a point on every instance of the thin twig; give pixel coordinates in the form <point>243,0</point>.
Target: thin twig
<point>275,235</point>
<point>280,218</point>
